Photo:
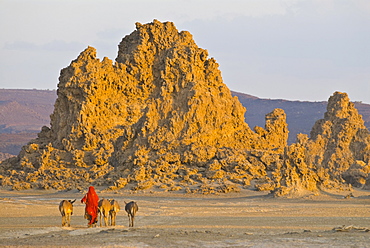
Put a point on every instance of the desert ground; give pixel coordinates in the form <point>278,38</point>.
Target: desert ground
<point>247,219</point>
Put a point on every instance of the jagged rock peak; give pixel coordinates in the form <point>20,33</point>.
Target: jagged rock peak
<point>148,39</point>
<point>339,106</point>
<point>275,134</point>
<point>339,143</point>
<point>340,113</point>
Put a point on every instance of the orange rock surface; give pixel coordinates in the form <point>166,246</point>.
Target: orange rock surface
<point>160,116</point>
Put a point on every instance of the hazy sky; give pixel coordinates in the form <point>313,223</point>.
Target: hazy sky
<point>287,49</point>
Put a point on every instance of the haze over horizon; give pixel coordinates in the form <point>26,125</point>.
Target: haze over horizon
<point>279,49</point>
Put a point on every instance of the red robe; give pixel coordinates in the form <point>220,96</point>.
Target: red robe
<point>91,200</point>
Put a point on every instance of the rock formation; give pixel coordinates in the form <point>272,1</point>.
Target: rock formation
<point>335,156</point>
<point>340,142</point>
<point>159,116</point>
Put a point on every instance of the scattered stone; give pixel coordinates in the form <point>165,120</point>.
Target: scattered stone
<point>350,195</point>
<point>350,228</point>
<point>292,233</point>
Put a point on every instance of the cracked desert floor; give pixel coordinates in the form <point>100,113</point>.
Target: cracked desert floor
<point>248,219</point>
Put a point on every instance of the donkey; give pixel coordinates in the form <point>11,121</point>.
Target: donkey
<point>104,208</point>
<point>114,208</point>
<point>66,209</point>
<point>131,209</point>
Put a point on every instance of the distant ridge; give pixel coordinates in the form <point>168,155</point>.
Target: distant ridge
<point>23,112</point>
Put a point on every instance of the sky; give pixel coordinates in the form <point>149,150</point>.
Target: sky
<point>278,49</point>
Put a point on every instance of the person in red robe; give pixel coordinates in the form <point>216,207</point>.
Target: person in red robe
<point>91,200</point>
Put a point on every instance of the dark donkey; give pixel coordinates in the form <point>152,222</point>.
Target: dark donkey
<point>131,209</point>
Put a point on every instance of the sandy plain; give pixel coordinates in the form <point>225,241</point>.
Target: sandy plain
<point>247,219</point>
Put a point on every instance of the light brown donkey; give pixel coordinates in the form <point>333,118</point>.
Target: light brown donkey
<point>66,209</point>
<point>131,209</point>
<point>104,208</point>
<point>114,208</point>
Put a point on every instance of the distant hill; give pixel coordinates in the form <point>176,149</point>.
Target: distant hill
<point>24,112</point>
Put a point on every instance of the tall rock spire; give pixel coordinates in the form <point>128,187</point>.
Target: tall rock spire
<point>340,139</point>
